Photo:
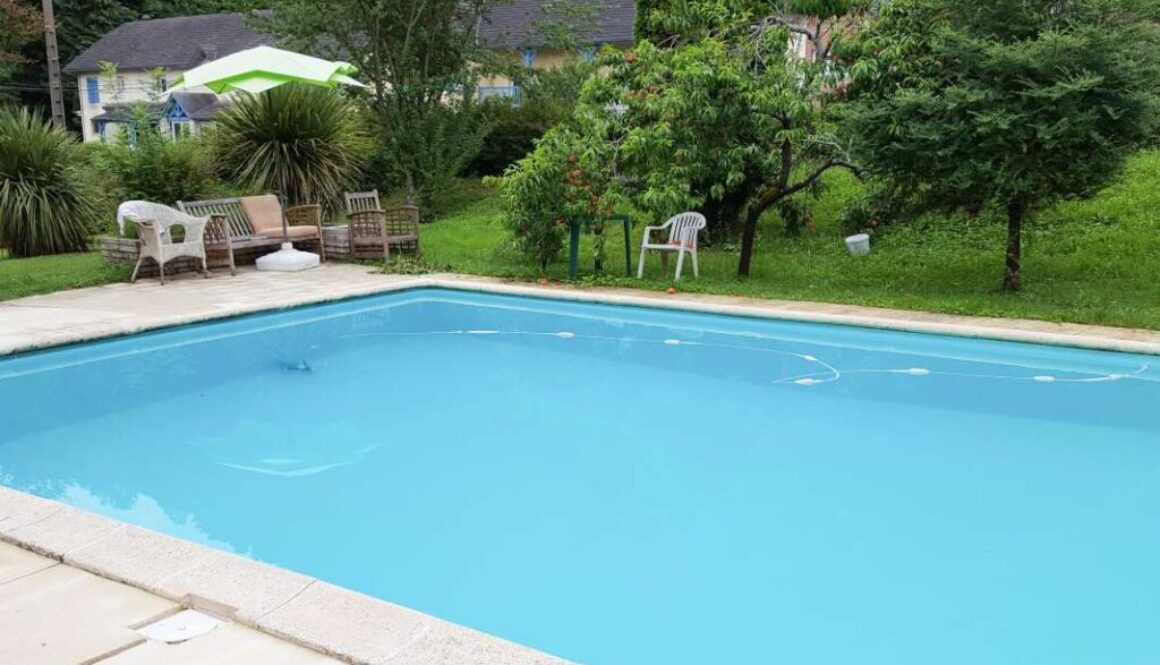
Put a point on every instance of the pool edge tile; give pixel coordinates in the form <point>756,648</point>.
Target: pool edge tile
<point>299,609</point>
<point>19,509</point>
<point>345,623</point>
<point>64,531</point>
<point>450,644</point>
<point>245,588</point>
<point>139,557</point>
<point>1086,336</point>
<point>1014,330</point>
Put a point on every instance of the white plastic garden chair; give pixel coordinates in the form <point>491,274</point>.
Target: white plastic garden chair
<point>682,239</point>
<point>155,224</point>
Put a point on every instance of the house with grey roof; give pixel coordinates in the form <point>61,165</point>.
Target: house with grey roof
<point>515,27</point>
<point>148,55</point>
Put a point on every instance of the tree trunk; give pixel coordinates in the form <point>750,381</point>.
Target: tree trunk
<point>748,236</point>
<point>1013,280</point>
<point>409,189</point>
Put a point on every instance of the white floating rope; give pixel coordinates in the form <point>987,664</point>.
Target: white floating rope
<point>829,375</point>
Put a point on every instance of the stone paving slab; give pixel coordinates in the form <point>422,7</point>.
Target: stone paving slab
<point>228,644</point>
<point>53,614</point>
<point>61,615</point>
<point>16,562</point>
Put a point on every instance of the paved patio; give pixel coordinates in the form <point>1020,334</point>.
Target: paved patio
<point>51,614</point>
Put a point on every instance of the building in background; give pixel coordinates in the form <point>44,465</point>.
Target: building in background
<point>148,56</point>
<point>516,28</point>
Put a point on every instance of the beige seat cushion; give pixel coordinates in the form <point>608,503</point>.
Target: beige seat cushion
<point>264,212</point>
<point>303,232</point>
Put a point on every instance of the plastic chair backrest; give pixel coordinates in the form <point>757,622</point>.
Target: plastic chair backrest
<point>684,227</point>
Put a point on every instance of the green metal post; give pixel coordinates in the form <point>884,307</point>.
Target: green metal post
<point>627,245</point>
<point>574,252</point>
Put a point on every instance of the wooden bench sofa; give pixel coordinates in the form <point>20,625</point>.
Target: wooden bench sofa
<point>254,222</point>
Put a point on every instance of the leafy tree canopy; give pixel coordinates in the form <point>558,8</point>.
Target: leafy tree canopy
<point>19,25</point>
<point>421,60</point>
<point>1013,104</point>
<point>719,117</point>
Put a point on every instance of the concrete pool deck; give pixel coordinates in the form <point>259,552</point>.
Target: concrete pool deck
<point>54,613</point>
<point>151,575</point>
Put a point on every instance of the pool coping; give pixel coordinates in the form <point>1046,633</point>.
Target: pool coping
<point>357,628</point>
<point>1104,338</point>
<point>297,608</point>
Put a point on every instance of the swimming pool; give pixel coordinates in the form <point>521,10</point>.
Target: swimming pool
<point>631,486</point>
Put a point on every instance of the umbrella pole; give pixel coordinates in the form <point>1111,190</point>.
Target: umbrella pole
<point>282,200</point>
<point>287,259</point>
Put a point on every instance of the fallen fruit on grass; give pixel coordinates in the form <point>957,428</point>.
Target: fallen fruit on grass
<point>671,291</point>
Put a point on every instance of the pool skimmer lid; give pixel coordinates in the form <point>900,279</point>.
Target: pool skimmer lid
<point>180,627</point>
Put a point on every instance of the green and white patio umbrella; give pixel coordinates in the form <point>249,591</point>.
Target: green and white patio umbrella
<point>259,69</point>
<point>255,71</point>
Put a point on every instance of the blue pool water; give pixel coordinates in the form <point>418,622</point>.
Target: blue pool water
<point>635,487</point>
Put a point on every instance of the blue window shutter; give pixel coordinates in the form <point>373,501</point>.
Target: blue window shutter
<point>94,88</point>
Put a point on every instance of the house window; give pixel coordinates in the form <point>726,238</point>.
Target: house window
<point>588,53</point>
<point>93,85</point>
<point>529,56</point>
<point>510,92</point>
<point>180,128</point>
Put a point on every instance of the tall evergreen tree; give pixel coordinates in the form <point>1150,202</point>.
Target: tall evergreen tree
<point>1010,104</point>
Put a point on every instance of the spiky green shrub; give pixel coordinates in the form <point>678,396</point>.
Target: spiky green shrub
<point>46,204</point>
<point>150,166</point>
<point>306,143</point>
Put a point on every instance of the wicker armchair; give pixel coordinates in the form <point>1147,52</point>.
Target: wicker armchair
<point>155,224</point>
<point>372,232</point>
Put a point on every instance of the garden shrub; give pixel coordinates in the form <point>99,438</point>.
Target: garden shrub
<point>47,204</point>
<point>553,188</point>
<point>153,167</point>
<point>547,97</point>
<point>874,207</point>
<point>305,143</point>
<point>511,135</point>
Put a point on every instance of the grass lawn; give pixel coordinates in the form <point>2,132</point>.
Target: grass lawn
<point>1093,261</point>
<point>44,274</point>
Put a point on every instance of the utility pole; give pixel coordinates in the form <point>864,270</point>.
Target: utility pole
<point>55,91</point>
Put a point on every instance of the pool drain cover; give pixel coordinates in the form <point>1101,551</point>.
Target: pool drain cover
<point>180,627</point>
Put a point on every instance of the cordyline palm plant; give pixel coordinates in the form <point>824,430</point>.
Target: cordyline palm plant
<point>46,204</point>
<point>305,143</point>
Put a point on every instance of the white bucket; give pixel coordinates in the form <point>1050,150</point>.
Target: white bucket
<point>858,245</point>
